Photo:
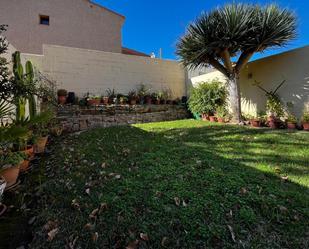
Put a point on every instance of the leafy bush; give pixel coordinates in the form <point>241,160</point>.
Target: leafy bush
<point>305,117</point>
<point>274,106</point>
<point>206,97</point>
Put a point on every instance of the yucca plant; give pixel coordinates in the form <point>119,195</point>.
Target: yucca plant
<point>227,38</point>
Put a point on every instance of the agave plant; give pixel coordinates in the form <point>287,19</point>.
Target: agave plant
<point>227,38</point>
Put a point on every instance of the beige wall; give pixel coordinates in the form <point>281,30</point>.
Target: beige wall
<point>73,23</point>
<point>291,66</point>
<point>82,71</point>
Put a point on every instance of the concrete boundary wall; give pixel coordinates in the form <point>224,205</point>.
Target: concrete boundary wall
<point>82,71</point>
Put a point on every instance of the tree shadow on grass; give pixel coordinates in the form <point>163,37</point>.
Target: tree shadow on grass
<point>178,186</point>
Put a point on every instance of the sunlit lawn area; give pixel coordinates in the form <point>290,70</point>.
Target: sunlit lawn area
<point>182,184</point>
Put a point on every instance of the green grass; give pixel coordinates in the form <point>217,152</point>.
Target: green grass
<point>228,180</point>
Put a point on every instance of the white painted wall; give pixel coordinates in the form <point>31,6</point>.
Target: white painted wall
<point>82,71</point>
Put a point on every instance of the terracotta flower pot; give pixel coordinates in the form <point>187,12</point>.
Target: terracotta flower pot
<point>133,102</point>
<point>291,125</point>
<point>29,152</point>
<point>205,117</point>
<point>158,101</point>
<point>24,166</point>
<point>62,100</point>
<point>255,123</point>
<point>273,123</point>
<point>105,100</point>
<point>40,145</point>
<point>10,175</point>
<point>306,126</point>
<point>221,120</point>
<point>212,119</point>
<point>148,100</point>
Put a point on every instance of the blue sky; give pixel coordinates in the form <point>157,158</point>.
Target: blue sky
<point>154,24</point>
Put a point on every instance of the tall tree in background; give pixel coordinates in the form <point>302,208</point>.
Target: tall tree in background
<point>5,80</point>
<point>235,31</point>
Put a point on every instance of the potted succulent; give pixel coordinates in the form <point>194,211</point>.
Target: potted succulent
<point>133,97</point>
<point>105,100</point>
<point>305,121</point>
<point>62,96</point>
<point>112,96</point>
<point>9,168</point>
<point>142,92</point>
<point>166,95</point>
<point>222,113</point>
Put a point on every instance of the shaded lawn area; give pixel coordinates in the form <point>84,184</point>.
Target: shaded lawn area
<point>182,184</point>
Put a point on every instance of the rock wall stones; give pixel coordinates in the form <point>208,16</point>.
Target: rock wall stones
<point>74,118</point>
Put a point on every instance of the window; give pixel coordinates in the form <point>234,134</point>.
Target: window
<point>44,20</point>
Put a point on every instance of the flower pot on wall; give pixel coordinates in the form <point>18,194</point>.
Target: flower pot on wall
<point>10,175</point>
<point>306,126</point>
<point>62,100</point>
<point>148,100</point>
<point>105,100</point>
<point>133,102</point>
<point>40,145</point>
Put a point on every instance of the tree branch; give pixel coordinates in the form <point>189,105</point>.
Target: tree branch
<point>216,64</point>
<point>243,60</point>
<point>225,54</point>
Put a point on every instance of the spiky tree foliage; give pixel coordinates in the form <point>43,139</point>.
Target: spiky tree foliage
<point>227,37</point>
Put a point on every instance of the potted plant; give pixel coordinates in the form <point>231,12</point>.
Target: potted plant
<point>275,110</point>
<point>305,121</point>
<point>123,100</point>
<point>291,122</point>
<point>105,100</point>
<point>206,98</point>
<point>112,96</point>
<point>142,92</point>
<point>9,167</point>
<point>41,131</point>
<point>166,95</point>
<point>156,97</point>
<point>62,96</point>
<point>133,97</point>
<point>222,113</point>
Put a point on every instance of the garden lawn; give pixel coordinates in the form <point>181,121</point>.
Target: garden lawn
<point>183,184</point>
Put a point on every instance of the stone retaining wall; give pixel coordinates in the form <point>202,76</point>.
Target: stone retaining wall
<point>74,119</point>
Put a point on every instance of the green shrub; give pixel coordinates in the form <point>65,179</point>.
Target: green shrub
<point>305,117</point>
<point>206,97</point>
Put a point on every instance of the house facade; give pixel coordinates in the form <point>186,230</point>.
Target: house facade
<point>71,23</point>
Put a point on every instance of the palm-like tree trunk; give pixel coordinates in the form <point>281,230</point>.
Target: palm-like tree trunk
<point>235,97</point>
